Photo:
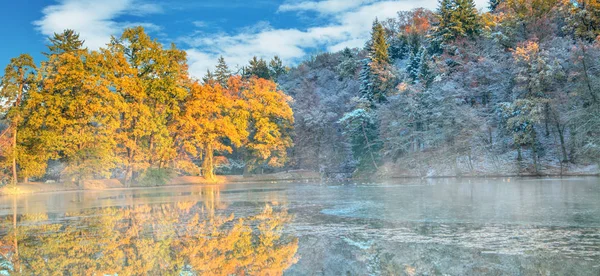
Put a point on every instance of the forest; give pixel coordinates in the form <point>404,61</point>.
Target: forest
<point>455,91</point>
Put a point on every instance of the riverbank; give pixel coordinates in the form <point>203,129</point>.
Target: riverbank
<point>108,184</point>
<point>480,167</point>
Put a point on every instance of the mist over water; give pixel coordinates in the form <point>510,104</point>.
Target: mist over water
<point>436,227</point>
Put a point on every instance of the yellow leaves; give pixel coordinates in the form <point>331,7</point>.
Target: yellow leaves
<point>271,121</point>
<point>526,51</point>
<point>133,106</point>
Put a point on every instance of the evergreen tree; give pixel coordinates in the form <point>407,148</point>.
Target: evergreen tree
<point>414,66</point>
<point>444,13</point>
<point>348,64</point>
<point>494,4</point>
<point>366,84</point>
<point>67,41</point>
<point>258,68</point>
<point>374,74</point>
<point>209,77</point>
<point>457,18</point>
<point>378,46</point>
<point>276,68</point>
<point>468,21</point>
<point>425,74</point>
<point>398,47</point>
<point>222,72</point>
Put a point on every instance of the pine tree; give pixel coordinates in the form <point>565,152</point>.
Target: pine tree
<point>258,68</point>
<point>378,47</point>
<point>276,68</point>
<point>468,21</point>
<point>425,74</point>
<point>373,76</point>
<point>457,18</point>
<point>348,65</point>
<point>445,16</point>
<point>209,77</point>
<point>366,84</point>
<point>494,4</point>
<point>414,66</point>
<point>222,72</point>
<point>67,41</point>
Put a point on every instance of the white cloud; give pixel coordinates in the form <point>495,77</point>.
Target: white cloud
<point>200,24</point>
<point>94,20</point>
<point>349,26</point>
<point>330,6</point>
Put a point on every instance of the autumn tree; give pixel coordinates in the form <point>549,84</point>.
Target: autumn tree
<point>585,19</point>
<point>78,109</point>
<point>162,74</point>
<point>19,78</point>
<point>378,49</point>
<point>270,123</point>
<point>209,123</point>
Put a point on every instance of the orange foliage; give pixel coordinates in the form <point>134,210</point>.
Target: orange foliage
<point>166,239</point>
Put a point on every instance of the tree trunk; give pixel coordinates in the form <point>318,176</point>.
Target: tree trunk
<point>587,76</point>
<point>535,153</point>
<point>208,168</point>
<point>14,156</point>
<point>561,135</point>
<point>151,152</point>
<point>547,118</point>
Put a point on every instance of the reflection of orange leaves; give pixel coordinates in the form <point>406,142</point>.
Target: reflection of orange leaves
<point>166,239</point>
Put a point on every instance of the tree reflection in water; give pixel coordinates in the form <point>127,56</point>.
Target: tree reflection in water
<point>184,238</point>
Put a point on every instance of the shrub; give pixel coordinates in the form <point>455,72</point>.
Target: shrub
<point>155,177</point>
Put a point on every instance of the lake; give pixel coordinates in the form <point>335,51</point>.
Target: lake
<point>500,226</point>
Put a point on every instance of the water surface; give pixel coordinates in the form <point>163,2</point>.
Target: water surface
<point>436,227</point>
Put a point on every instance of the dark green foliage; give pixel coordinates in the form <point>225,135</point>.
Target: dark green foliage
<point>155,177</point>
<point>414,66</point>
<point>360,127</point>
<point>399,47</point>
<point>348,65</point>
<point>222,72</point>
<point>457,19</point>
<point>366,85</point>
<point>257,68</point>
<point>209,77</point>
<point>494,4</point>
<point>276,68</point>
<point>67,41</point>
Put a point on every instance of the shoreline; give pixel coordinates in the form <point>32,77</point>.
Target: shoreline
<point>180,181</point>
<point>185,181</point>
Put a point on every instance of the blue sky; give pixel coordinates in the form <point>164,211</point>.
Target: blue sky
<point>206,29</point>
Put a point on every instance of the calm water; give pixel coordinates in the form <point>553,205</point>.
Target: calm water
<point>441,227</point>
